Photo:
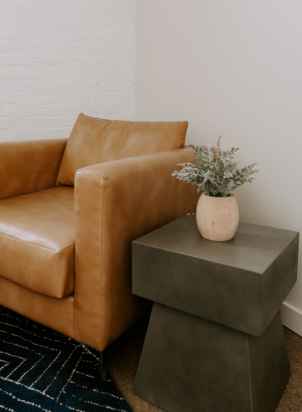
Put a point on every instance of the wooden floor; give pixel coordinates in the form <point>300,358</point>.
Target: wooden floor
<point>124,354</point>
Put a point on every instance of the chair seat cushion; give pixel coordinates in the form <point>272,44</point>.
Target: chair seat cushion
<point>37,238</point>
<point>94,141</point>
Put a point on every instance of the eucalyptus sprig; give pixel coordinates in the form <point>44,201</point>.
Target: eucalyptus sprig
<point>214,172</point>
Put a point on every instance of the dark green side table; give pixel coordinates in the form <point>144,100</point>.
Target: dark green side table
<point>215,341</point>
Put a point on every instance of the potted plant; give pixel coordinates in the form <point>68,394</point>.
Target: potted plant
<point>217,176</point>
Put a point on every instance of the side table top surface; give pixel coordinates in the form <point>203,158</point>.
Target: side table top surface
<point>253,248</point>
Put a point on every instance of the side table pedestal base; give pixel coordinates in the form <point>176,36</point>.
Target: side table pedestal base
<point>193,365</point>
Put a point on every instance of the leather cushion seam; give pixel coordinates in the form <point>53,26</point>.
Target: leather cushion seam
<point>32,244</point>
<point>32,290</point>
<point>92,173</point>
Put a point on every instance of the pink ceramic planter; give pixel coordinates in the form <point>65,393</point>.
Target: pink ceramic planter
<point>217,217</point>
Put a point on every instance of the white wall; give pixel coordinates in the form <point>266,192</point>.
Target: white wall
<point>232,68</point>
<point>62,57</point>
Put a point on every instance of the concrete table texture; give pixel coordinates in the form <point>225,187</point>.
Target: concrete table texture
<point>215,340</point>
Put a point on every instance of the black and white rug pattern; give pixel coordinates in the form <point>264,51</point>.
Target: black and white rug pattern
<point>42,370</point>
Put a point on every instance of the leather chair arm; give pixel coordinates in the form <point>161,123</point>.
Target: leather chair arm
<point>29,166</point>
<point>117,202</point>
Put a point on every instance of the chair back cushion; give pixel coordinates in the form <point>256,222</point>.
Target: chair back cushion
<point>94,140</point>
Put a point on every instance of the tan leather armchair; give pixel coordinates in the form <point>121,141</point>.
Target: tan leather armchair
<point>65,252</point>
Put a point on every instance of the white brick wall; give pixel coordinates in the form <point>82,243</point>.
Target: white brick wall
<point>62,57</point>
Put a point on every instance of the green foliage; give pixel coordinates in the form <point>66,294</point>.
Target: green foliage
<point>215,173</point>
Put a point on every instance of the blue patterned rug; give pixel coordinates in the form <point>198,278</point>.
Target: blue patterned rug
<point>42,370</point>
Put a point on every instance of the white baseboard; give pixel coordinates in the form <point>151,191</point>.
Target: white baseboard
<point>291,318</point>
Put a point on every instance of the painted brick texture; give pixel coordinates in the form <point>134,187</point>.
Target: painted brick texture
<point>62,57</point>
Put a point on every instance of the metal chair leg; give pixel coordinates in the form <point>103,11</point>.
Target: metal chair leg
<point>101,372</point>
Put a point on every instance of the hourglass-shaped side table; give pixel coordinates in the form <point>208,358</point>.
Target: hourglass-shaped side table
<point>215,340</point>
